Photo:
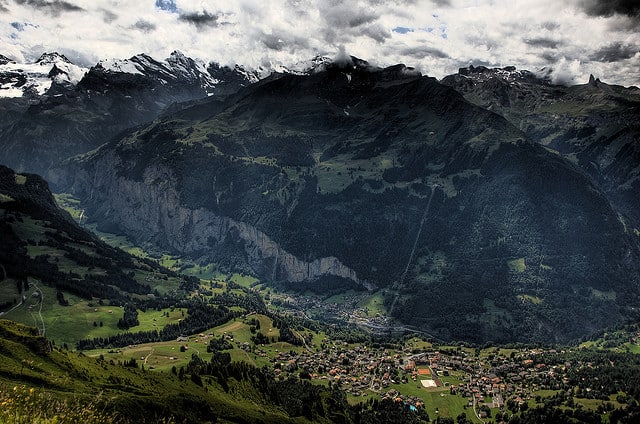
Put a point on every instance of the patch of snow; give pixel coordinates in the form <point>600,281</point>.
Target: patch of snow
<point>317,64</point>
<point>75,73</point>
<point>120,65</point>
<point>252,76</point>
<point>37,75</point>
<point>8,91</point>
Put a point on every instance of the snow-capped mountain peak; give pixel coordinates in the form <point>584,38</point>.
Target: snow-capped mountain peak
<point>177,67</point>
<point>125,66</point>
<point>52,58</point>
<point>36,79</point>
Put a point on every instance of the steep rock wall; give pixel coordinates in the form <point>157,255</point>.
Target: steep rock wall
<point>150,211</point>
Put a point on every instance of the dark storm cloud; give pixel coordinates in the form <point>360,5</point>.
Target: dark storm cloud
<point>108,16</point>
<point>550,26</point>
<point>614,53</point>
<point>546,43</point>
<point>201,19</point>
<point>273,42</point>
<point>54,7</point>
<point>349,18</point>
<point>550,57</point>
<point>376,32</point>
<point>420,52</point>
<point>280,42</point>
<point>344,15</point>
<point>144,26</point>
<point>608,8</point>
<point>345,21</point>
<point>484,42</point>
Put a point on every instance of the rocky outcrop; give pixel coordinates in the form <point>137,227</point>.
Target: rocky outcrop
<point>150,211</point>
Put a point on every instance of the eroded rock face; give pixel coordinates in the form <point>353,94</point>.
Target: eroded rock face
<point>150,211</point>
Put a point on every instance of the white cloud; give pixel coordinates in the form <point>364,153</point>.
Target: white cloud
<point>575,37</point>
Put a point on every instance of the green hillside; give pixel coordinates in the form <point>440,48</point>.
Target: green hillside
<point>63,279</point>
<point>124,392</point>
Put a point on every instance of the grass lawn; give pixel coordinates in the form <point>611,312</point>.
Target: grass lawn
<point>30,229</point>
<point>593,404</point>
<point>517,265</point>
<point>419,344</point>
<point>438,399</point>
<point>340,298</point>
<point>243,280</point>
<point>68,324</point>
<point>69,203</point>
<point>204,272</point>
<point>632,347</point>
<point>373,304</point>
<point>161,356</point>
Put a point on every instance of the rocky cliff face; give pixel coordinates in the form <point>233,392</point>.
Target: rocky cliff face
<point>150,210</point>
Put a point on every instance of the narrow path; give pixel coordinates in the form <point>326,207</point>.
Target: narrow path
<point>415,243</point>
<point>15,307</point>
<point>413,249</point>
<point>303,340</point>
<point>476,412</point>
<point>147,357</point>
<point>40,308</point>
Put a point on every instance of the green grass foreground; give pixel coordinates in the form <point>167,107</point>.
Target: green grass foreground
<point>40,383</point>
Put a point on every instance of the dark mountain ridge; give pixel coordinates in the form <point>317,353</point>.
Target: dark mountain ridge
<point>43,242</point>
<point>595,125</point>
<point>381,178</point>
<point>70,119</point>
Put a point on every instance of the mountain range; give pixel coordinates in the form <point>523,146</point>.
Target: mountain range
<point>63,113</point>
<point>491,205</point>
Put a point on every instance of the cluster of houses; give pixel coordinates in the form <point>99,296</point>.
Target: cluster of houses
<point>360,371</point>
<point>365,371</point>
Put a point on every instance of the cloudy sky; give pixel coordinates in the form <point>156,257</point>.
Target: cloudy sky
<point>573,37</point>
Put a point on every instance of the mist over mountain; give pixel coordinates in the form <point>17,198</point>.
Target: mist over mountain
<point>473,225</point>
